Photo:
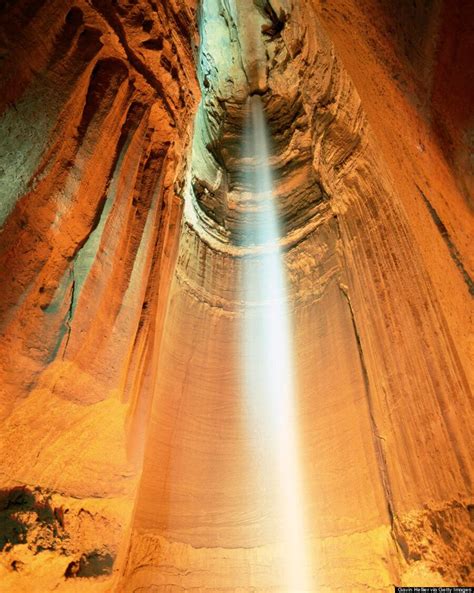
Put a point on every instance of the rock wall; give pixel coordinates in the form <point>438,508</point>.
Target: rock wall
<point>96,117</point>
<point>106,337</point>
<point>382,359</point>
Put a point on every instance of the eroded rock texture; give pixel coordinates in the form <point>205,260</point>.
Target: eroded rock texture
<point>105,338</point>
<point>96,113</point>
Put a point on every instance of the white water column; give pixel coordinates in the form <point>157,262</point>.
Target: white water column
<point>269,374</point>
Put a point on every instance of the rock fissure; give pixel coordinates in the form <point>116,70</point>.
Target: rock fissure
<point>449,243</point>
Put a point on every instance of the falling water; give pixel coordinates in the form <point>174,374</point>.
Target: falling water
<point>268,360</point>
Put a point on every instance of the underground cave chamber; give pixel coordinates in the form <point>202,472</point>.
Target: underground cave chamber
<point>236,296</point>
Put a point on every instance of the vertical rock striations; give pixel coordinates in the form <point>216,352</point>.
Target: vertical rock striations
<point>95,121</point>
<point>382,360</point>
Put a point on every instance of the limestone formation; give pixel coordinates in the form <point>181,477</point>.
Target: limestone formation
<point>127,464</point>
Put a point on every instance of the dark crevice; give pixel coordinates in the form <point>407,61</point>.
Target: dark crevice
<point>378,448</point>
<point>376,437</point>
<point>397,537</point>
<point>453,251</point>
<point>88,44</point>
<point>106,9</point>
<point>72,24</point>
<point>106,78</point>
<point>155,44</point>
<point>276,23</point>
<point>70,312</point>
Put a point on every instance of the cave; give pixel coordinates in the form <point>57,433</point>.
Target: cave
<point>236,296</point>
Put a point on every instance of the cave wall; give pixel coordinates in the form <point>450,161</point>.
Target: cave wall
<point>96,116</point>
<point>381,342</point>
<point>370,118</point>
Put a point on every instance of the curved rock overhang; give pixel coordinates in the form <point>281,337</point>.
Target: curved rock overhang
<point>248,62</point>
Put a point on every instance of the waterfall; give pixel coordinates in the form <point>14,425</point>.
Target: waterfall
<point>267,354</point>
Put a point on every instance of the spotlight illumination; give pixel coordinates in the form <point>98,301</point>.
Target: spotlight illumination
<point>269,385</point>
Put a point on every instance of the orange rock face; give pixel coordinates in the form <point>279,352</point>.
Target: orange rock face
<point>96,114</point>
<point>129,462</point>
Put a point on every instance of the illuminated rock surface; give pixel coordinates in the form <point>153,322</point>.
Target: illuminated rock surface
<point>121,297</point>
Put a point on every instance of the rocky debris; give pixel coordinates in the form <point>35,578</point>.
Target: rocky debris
<point>441,537</point>
<point>36,523</point>
<point>93,564</point>
<point>27,517</point>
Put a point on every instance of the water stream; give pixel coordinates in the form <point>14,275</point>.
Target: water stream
<point>269,370</point>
